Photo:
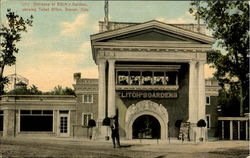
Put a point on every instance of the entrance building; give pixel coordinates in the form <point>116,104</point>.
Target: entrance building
<point>151,75</point>
<point>151,71</point>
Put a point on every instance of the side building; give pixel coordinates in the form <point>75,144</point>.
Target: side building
<point>68,116</point>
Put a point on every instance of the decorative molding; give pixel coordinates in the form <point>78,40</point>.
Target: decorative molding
<point>152,24</point>
<point>143,87</point>
<point>147,49</point>
<point>148,67</point>
<point>146,105</point>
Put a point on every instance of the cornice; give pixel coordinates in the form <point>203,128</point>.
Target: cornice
<point>151,87</point>
<point>152,24</point>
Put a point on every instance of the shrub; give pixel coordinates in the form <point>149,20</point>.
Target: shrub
<point>91,123</point>
<point>106,121</point>
<point>201,123</point>
<point>178,123</point>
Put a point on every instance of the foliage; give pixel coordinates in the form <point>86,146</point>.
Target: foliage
<point>58,90</point>
<point>10,34</point>
<point>178,123</point>
<point>91,123</point>
<point>33,90</point>
<point>201,123</point>
<point>228,102</point>
<point>229,21</point>
<point>106,121</point>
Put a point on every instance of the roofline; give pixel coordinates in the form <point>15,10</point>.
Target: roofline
<point>172,25</point>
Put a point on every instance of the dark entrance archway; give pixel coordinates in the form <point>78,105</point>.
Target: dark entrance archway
<point>146,127</point>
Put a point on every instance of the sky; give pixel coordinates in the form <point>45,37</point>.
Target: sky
<point>58,43</point>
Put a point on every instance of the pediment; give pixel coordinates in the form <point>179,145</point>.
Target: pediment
<point>152,31</point>
<point>152,34</point>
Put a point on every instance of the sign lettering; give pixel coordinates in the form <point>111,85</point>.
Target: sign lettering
<point>136,94</point>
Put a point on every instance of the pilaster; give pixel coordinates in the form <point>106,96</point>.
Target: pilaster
<point>102,90</point>
<point>101,130</point>
<point>111,88</point>
<point>191,102</point>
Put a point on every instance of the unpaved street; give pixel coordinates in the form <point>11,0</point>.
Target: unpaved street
<point>51,148</point>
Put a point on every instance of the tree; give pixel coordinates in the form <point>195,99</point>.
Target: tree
<point>201,123</point>
<point>228,102</point>
<point>58,90</point>
<point>33,90</point>
<point>229,21</point>
<point>10,34</point>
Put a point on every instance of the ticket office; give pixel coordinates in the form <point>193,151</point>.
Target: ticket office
<point>147,75</point>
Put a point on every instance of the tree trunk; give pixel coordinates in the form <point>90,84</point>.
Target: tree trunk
<point>241,100</point>
<point>1,79</point>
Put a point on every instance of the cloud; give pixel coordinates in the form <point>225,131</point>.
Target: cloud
<point>61,57</point>
<point>90,72</point>
<point>72,28</point>
<point>209,71</point>
<point>85,46</point>
<point>95,27</point>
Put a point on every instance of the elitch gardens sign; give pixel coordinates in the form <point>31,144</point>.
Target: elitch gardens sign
<point>147,94</point>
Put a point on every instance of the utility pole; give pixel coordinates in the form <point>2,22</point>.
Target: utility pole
<point>106,18</point>
<point>15,102</point>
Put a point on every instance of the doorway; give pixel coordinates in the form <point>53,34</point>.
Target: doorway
<point>63,124</point>
<point>146,127</point>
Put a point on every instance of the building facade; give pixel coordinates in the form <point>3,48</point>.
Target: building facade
<point>67,116</point>
<point>151,71</point>
<point>151,75</point>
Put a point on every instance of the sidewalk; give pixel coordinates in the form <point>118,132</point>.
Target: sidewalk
<point>172,141</point>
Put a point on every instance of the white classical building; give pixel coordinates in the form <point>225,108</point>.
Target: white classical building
<point>151,71</point>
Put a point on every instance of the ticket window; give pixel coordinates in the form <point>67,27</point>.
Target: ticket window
<point>159,78</point>
<point>147,78</point>
<point>123,78</point>
<point>135,78</point>
<point>171,78</point>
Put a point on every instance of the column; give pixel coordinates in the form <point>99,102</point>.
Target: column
<point>192,109</point>
<point>231,130</point>
<point>101,90</point>
<point>9,124</point>
<point>238,130</point>
<point>222,130</point>
<point>111,88</point>
<point>201,89</point>
<point>101,131</point>
<point>191,102</point>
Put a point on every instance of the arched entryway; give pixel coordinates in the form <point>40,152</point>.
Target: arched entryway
<point>146,127</point>
<point>146,108</point>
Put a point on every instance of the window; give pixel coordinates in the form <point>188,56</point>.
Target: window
<point>158,78</point>
<point>208,120</point>
<point>1,120</point>
<point>207,100</point>
<point>135,77</point>
<point>87,98</point>
<point>36,120</point>
<point>147,78</point>
<point>85,119</point>
<point>123,77</point>
<point>171,78</point>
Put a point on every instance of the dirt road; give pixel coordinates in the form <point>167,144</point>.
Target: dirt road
<point>50,148</point>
